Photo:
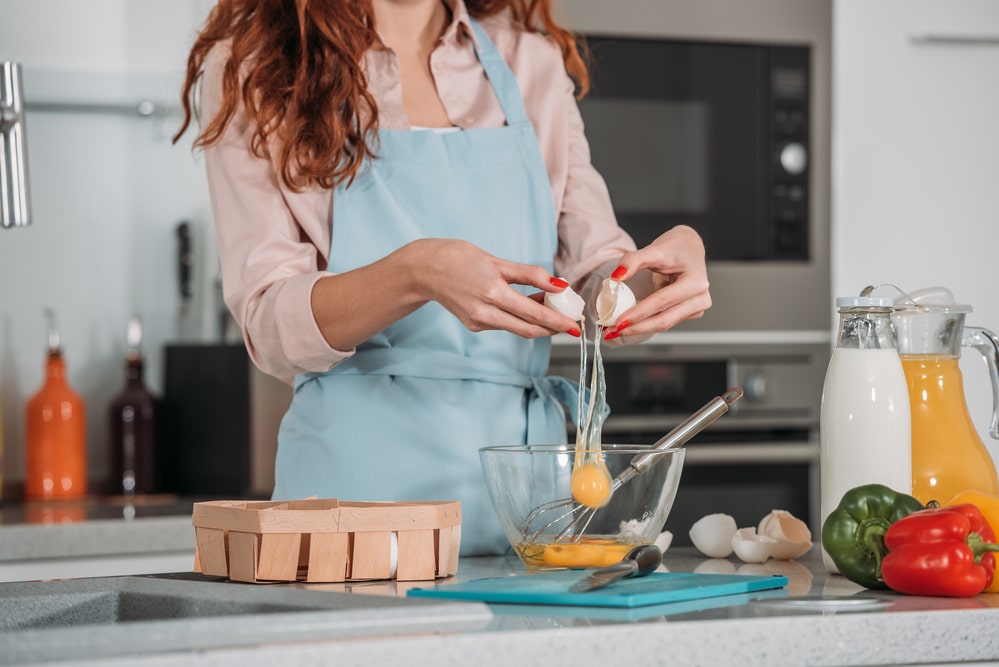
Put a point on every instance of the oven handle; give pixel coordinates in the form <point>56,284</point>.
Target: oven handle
<point>751,454</point>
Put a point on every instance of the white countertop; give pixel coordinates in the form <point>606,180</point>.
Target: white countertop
<point>791,629</point>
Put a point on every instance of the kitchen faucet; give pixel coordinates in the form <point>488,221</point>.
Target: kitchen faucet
<point>14,210</point>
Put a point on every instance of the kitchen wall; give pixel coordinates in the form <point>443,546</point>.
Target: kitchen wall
<point>108,189</point>
<point>915,200</point>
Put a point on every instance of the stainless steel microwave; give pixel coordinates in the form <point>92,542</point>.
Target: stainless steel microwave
<point>714,135</point>
<point>717,113</point>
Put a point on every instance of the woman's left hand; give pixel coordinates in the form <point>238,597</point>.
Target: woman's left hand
<point>679,276</point>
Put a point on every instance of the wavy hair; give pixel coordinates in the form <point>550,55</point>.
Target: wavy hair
<point>295,67</point>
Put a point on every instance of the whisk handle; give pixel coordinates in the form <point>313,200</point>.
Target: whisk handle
<point>687,429</point>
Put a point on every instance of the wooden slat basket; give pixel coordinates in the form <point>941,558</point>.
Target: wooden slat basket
<point>326,540</point>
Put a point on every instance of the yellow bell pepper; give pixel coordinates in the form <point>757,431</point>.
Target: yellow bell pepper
<point>989,505</point>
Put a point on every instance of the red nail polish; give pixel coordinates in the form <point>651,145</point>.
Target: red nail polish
<point>623,325</point>
<point>612,335</point>
<point>619,272</point>
<point>558,282</point>
<point>574,332</point>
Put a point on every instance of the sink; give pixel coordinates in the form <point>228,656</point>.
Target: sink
<point>141,615</point>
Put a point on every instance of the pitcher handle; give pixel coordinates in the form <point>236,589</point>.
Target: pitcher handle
<point>987,343</point>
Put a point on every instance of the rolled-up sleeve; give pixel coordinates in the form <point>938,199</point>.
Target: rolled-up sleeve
<point>273,246</point>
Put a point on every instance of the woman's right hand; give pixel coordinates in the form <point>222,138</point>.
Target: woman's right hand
<point>473,285</point>
<point>476,288</point>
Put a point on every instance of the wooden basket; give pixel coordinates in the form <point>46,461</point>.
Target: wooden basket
<point>326,540</point>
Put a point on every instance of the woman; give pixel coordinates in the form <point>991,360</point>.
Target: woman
<point>395,184</point>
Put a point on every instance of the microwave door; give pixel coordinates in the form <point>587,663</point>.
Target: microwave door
<point>682,133</point>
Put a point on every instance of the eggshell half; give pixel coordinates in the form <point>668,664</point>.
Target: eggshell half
<point>712,535</point>
<point>792,534</point>
<point>615,297</point>
<point>751,547</point>
<point>566,302</point>
<point>664,540</point>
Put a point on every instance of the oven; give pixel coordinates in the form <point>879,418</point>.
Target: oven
<point>762,455</point>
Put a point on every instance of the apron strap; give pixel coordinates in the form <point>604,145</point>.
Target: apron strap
<point>502,78</point>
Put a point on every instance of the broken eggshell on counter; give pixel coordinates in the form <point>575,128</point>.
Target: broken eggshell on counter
<point>566,302</point>
<point>752,547</point>
<point>779,535</point>
<point>664,540</point>
<point>791,534</point>
<point>614,299</point>
<point>712,534</point>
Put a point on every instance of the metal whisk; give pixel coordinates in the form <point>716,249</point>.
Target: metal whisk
<point>547,515</point>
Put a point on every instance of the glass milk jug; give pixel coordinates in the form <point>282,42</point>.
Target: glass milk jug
<point>948,456</point>
<point>864,423</point>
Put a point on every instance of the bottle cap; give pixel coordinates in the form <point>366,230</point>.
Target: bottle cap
<point>865,302</point>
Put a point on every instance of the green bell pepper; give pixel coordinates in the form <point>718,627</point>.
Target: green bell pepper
<point>853,533</point>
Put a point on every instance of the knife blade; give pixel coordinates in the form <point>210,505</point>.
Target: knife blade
<point>640,561</point>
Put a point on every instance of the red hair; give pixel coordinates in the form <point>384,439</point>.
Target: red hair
<point>302,81</point>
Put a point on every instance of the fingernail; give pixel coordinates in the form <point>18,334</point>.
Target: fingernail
<point>623,325</point>
<point>574,332</point>
<point>619,272</point>
<point>612,335</point>
<point>558,282</point>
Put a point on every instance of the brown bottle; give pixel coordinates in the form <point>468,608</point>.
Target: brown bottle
<point>134,431</point>
<point>56,432</point>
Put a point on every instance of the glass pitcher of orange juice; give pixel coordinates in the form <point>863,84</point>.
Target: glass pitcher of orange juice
<point>948,456</point>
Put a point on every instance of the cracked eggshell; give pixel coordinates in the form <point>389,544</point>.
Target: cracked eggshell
<point>792,534</point>
<point>751,547</point>
<point>664,540</point>
<point>615,297</point>
<point>712,535</point>
<point>566,302</point>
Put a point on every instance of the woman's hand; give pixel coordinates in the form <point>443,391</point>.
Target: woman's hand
<point>476,288</point>
<point>680,279</point>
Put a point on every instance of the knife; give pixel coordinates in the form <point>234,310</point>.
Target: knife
<point>640,561</point>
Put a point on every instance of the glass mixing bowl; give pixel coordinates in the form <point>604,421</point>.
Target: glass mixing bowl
<point>530,489</point>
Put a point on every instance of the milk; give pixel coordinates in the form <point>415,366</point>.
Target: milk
<point>864,426</point>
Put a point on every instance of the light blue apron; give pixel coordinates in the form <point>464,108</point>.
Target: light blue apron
<point>404,417</point>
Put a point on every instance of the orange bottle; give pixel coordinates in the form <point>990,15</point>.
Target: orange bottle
<point>56,433</point>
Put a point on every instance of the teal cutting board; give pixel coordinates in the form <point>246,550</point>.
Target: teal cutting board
<point>552,588</point>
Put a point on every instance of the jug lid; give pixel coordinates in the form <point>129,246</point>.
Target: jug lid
<point>936,299</point>
<point>865,302</point>
<point>940,308</point>
<point>930,300</point>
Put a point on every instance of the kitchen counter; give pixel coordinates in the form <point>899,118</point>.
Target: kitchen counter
<point>818,620</point>
<point>95,536</point>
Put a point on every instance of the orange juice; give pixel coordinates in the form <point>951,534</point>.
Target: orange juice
<point>948,456</point>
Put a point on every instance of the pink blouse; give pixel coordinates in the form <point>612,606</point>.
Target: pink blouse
<point>275,243</point>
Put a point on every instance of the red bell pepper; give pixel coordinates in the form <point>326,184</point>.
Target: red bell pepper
<point>940,551</point>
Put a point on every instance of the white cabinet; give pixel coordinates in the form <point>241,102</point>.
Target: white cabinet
<point>915,188</point>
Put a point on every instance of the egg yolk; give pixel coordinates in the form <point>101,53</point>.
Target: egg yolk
<point>591,485</point>
<point>585,553</point>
